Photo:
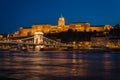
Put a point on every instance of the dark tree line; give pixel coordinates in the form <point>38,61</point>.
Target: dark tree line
<point>115,31</point>
<point>70,36</point>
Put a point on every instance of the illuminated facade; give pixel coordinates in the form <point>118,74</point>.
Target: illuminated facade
<point>80,26</point>
<point>61,22</point>
<point>84,26</point>
<point>1,36</point>
<point>47,28</point>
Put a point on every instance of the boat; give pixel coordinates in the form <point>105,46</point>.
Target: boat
<point>99,49</point>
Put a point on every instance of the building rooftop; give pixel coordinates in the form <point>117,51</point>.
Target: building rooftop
<point>97,25</point>
<point>41,24</point>
<point>79,22</point>
<point>26,27</point>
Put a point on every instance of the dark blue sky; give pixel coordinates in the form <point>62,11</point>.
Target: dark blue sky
<point>16,13</point>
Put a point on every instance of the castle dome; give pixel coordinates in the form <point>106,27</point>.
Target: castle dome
<point>61,21</point>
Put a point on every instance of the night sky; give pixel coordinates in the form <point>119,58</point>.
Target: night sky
<point>16,13</point>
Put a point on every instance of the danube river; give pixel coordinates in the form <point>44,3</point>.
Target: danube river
<point>60,66</point>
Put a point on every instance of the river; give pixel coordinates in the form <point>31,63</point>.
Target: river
<point>60,65</point>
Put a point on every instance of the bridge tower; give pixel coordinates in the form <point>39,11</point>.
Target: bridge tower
<point>38,37</point>
<point>38,40</point>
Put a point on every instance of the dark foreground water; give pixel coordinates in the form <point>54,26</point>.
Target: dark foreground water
<point>60,66</point>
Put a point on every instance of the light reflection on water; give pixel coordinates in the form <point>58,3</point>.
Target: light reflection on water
<point>60,66</point>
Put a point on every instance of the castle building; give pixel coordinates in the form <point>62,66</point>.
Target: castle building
<point>85,26</point>
<point>61,27</point>
<point>80,26</point>
<point>45,28</point>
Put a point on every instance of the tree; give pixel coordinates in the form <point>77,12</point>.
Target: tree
<point>117,26</point>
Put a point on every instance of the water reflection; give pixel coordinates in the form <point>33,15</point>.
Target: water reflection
<point>60,66</point>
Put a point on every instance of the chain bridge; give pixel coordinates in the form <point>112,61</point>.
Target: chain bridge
<point>36,42</point>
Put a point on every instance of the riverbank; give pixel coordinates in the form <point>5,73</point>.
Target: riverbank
<point>67,49</point>
<point>6,78</point>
